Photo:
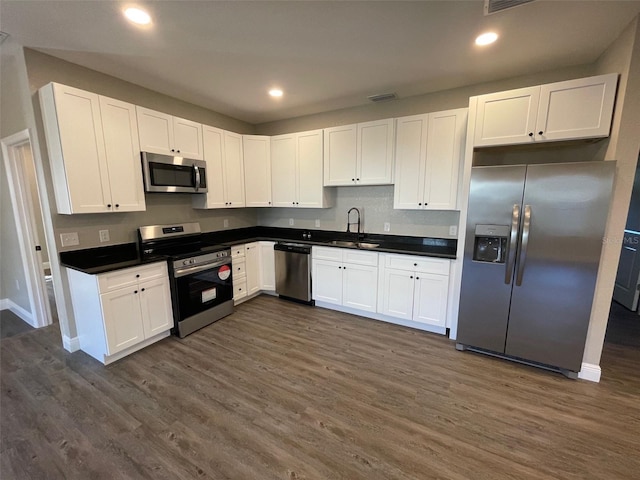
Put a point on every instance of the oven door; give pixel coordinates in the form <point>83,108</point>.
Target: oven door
<point>202,287</point>
<point>164,173</point>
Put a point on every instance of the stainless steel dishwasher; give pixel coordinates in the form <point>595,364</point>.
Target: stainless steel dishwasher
<point>293,271</point>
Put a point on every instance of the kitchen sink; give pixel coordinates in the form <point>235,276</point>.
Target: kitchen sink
<point>341,243</point>
<point>368,245</point>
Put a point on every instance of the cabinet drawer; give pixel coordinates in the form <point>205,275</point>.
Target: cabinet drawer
<point>130,276</point>
<point>417,264</point>
<point>239,269</point>
<point>240,290</point>
<point>327,253</point>
<point>360,257</point>
<point>237,251</point>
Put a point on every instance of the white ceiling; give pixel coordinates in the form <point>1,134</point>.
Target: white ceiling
<point>225,55</point>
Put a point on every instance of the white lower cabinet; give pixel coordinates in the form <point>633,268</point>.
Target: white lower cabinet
<point>253,266</point>
<point>252,255</point>
<point>267,266</point>
<point>345,277</point>
<point>122,311</point>
<point>414,288</point>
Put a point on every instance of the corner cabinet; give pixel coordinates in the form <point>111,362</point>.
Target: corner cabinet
<point>359,154</point>
<point>93,149</point>
<point>169,135</point>
<point>257,170</point>
<point>225,170</point>
<point>429,151</point>
<point>570,110</point>
<point>120,312</point>
<point>296,171</point>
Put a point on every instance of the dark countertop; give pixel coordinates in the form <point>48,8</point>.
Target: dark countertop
<point>115,257</point>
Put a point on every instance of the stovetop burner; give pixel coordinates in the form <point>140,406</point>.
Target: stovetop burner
<point>178,241</point>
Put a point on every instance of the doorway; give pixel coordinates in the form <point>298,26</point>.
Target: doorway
<point>32,252</point>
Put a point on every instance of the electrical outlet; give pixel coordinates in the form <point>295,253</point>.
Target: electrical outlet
<point>317,223</point>
<point>387,227</point>
<point>453,230</point>
<point>104,235</point>
<point>69,239</point>
<point>225,222</point>
<point>291,222</point>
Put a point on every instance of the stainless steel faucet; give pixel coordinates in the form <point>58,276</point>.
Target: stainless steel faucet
<point>349,223</point>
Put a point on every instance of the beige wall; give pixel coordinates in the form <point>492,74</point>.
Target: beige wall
<point>622,56</point>
<point>13,118</point>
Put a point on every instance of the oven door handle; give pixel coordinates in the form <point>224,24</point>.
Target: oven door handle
<point>198,268</point>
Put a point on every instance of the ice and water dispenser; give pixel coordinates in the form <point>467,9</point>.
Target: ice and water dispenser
<point>490,244</point>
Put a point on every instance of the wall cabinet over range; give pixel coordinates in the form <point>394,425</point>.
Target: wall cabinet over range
<point>359,154</point>
<point>569,110</point>
<point>93,149</point>
<point>169,135</point>
<point>429,150</point>
<point>122,311</point>
<point>296,171</point>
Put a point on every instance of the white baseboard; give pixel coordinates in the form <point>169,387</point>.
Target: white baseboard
<point>8,304</point>
<point>590,372</point>
<point>71,344</point>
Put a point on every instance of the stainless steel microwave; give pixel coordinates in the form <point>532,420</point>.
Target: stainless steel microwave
<point>164,173</point>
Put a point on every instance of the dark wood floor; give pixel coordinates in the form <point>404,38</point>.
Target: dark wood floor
<point>283,391</point>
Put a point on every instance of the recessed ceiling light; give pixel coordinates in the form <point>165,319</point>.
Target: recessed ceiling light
<point>138,16</point>
<point>275,92</point>
<point>486,38</point>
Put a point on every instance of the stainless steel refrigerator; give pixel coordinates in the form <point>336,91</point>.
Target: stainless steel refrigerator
<point>533,244</point>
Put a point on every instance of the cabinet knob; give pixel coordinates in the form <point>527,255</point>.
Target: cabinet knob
<point>269,203</point>
<point>142,290</point>
<point>135,291</point>
<point>415,264</point>
<point>540,132</point>
<point>138,275</point>
<point>339,267</point>
<point>411,276</point>
<point>353,179</point>
<point>357,179</point>
<point>178,151</point>
<point>419,203</point>
<point>108,205</point>
<point>173,150</point>
<point>117,205</point>
<point>531,134</point>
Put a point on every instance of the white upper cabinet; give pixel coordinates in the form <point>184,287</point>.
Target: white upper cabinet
<point>257,170</point>
<point>570,110</point>
<point>88,175</point>
<point>296,170</point>
<point>359,154</point>
<point>169,135</point>
<point>225,170</point>
<point>429,150</point>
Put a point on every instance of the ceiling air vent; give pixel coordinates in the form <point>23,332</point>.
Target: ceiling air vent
<point>3,36</point>
<point>383,97</point>
<point>493,6</point>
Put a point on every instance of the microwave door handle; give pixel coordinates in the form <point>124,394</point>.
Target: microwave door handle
<point>524,244</point>
<point>513,243</point>
<point>197,174</point>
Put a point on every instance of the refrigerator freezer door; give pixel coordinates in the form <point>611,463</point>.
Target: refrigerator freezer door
<point>551,300</point>
<point>485,297</point>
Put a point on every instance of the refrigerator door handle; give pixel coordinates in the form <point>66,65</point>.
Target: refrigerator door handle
<point>524,243</point>
<point>513,243</point>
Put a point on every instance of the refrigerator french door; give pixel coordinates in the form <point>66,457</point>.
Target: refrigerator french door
<point>533,244</point>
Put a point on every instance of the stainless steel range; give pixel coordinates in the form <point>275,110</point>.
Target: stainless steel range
<point>200,276</point>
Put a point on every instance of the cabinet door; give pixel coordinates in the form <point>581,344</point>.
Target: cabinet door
<point>375,152</point>
<point>327,282</point>
<point>445,145</point>
<point>310,191</point>
<point>252,254</point>
<point>397,293</point>
<point>122,318</point>
<point>267,266</point>
<point>430,299</point>
<point>187,138</point>
<point>257,170</point>
<point>283,170</point>
<point>83,157</point>
<point>507,118</point>
<point>120,129</point>
<point>576,109</point>
<point>360,287</point>
<point>155,130</point>
<point>411,151</point>
<point>155,306</point>
<point>233,170</point>
<point>213,142</point>
<point>340,157</point>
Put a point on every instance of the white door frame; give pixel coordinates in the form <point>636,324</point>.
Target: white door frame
<point>26,231</point>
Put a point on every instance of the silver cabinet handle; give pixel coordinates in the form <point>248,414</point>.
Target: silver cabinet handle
<point>197,171</point>
<point>524,243</point>
<point>513,243</point>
